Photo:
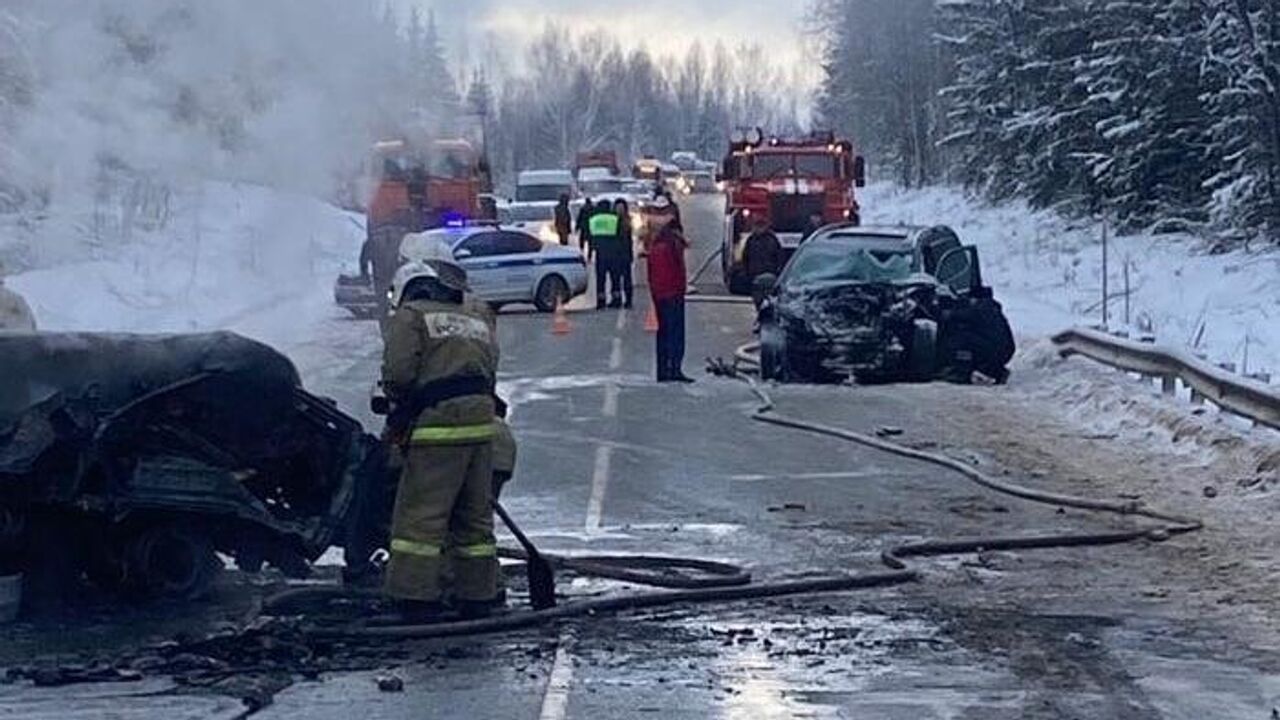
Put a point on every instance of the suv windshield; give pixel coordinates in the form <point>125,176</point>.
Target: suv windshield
<point>527,213</point>
<point>541,193</point>
<point>846,262</point>
<point>600,187</point>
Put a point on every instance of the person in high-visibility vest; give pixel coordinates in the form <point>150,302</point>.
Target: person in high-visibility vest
<point>607,241</point>
<point>441,362</point>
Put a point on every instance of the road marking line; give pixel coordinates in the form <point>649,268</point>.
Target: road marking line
<point>860,474</point>
<point>622,320</point>
<point>599,480</point>
<point>615,356</point>
<point>555,702</point>
<point>610,409</point>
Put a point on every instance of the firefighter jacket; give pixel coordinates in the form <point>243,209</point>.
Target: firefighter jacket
<point>428,342</point>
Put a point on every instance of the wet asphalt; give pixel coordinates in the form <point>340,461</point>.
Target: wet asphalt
<point>610,463</point>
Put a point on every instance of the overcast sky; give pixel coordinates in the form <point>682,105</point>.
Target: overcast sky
<point>664,26</point>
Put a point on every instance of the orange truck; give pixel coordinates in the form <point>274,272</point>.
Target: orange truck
<point>794,184</point>
<point>421,190</point>
<point>410,190</point>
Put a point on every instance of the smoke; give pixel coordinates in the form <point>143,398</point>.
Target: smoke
<point>288,93</point>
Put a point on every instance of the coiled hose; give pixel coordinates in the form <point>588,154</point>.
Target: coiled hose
<point>719,582</point>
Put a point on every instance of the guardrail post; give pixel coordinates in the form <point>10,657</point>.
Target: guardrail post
<point>1169,385</point>
<point>1196,397</point>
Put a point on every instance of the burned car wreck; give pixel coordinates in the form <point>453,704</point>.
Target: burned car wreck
<point>883,305</point>
<point>132,461</point>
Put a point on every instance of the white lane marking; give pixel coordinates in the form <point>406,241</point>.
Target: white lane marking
<point>622,320</point>
<point>615,356</point>
<point>610,409</point>
<point>599,481</point>
<point>860,474</point>
<point>555,702</point>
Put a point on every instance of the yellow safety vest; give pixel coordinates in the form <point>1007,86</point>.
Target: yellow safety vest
<point>604,224</point>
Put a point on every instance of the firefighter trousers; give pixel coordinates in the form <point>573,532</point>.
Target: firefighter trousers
<point>444,516</point>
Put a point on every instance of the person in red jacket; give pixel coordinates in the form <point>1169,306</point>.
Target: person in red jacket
<point>668,283</point>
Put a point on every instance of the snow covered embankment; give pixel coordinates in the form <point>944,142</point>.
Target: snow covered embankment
<point>1048,273</point>
<point>238,257</point>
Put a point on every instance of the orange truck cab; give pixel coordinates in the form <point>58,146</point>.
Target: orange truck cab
<point>796,185</point>
<point>419,189</point>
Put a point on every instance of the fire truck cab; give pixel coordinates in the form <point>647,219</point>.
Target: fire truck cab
<point>796,185</point>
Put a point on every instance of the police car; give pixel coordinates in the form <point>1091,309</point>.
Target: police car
<point>507,265</point>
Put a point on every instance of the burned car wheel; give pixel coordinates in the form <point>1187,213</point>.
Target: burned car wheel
<point>170,560</point>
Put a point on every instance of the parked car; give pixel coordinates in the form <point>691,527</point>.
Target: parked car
<point>507,265</point>
<point>883,304</point>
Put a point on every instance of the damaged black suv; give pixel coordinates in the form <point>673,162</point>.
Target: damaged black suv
<point>883,305</point>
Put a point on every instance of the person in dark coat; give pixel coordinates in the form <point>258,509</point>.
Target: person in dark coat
<point>668,284</point>
<point>762,255</point>
<point>584,228</point>
<point>626,259</point>
<point>564,220</point>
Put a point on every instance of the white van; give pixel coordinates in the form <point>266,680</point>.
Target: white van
<point>543,185</point>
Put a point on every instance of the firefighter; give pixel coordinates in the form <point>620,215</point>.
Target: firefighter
<point>606,239</point>
<point>584,228</point>
<point>379,259</point>
<point>439,371</point>
<point>564,219</point>
<point>15,313</point>
<point>762,259</point>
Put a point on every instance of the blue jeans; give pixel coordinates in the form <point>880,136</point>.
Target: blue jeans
<point>670,338</point>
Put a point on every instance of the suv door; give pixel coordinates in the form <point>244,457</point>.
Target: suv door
<point>935,244</point>
<point>960,270</point>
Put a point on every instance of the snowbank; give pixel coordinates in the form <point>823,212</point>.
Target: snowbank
<point>238,257</point>
<point>1048,273</point>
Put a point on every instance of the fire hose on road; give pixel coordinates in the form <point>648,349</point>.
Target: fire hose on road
<point>720,583</point>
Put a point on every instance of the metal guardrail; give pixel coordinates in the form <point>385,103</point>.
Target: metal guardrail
<point>1231,392</point>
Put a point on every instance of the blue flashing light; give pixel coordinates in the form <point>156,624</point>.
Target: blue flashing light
<point>455,220</point>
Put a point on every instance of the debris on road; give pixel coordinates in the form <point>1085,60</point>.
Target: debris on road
<point>390,684</point>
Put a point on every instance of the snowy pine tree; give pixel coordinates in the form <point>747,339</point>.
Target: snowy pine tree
<point>1243,60</point>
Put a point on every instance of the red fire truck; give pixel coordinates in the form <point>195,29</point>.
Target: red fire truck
<point>795,184</point>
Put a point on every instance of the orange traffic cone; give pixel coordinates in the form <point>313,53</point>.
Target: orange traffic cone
<point>560,320</point>
<point>651,320</point>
